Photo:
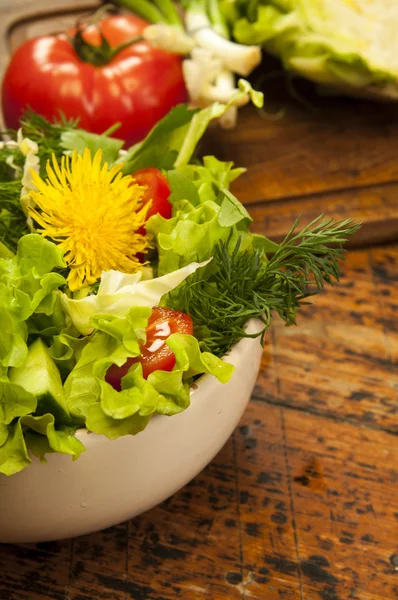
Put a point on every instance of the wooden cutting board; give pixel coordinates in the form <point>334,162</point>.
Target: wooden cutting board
<point>337,156</point>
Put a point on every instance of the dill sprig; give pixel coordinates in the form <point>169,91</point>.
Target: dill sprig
<point>45,133</point>
<point>13,223</point>
<point>240,285</point>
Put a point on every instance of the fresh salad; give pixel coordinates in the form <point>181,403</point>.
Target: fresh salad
<point>348,45</point>
<point>126,275</point>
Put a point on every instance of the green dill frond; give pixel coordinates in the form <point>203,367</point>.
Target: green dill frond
<point>46,134</point>
<point>12,218</point>
<point>237,286</point>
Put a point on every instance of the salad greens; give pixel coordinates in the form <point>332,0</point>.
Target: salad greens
<point>241,284</point>
<point>344,43</point>
<point>119,292</point>
<point>57,345</point>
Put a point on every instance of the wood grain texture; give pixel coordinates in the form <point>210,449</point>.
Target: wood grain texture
<point>339,160</point>
<point>341,360</point>
<point>301,502</point>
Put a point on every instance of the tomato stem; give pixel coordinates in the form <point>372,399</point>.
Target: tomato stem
<point>98,55</point>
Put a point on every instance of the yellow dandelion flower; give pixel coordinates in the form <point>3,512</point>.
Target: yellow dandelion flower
<point>94,213</point>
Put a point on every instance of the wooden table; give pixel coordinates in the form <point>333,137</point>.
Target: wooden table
<point>302,501</point>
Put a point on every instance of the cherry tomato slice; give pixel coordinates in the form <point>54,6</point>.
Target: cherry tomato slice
<point>157,190</point>
<point>155,354</point>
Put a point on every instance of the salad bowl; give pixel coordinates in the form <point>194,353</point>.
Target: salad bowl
<point>98,350</point>
<point>116,480</point>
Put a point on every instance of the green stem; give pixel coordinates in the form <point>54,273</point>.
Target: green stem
<point>144,9</point>
<point>217,18</point>
<point>97,55</point>
<point>112,129</point>
<point>168,9</point>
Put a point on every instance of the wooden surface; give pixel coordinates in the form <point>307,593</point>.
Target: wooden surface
<point>302,502</point>
<point>340,160</point>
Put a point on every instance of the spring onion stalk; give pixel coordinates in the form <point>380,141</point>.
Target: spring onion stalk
<point>168,9</point>
<point>226,79</point>
<point>214,94</point>
<point>226,82</point>
<point>208,82</point>
<point>217,19</point>
<point>145,9</point>
<point>236,57</point>
<point>200,72</point>
<point>212,59</point>
<point>8,144</point>
<point>193,77</point>
<point>168,38</point>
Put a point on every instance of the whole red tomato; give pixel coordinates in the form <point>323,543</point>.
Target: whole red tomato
<point>137,86</point>
<point>155,353</point>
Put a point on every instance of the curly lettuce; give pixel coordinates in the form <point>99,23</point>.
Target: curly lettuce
<point>205,213</point>
<point>91,400</point>
<point>52,378</point>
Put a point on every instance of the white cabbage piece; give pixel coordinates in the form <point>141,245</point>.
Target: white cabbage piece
<point>340,43</point>
<point>118,292</point>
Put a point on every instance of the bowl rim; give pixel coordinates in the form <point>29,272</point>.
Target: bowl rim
<point>207,380</point>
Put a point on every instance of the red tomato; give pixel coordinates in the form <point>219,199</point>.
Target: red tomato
<point>155,354</point>
<point>157,190</point>
<point>137,87</point>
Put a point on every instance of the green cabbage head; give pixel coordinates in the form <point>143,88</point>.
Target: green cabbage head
<point>351,44</point>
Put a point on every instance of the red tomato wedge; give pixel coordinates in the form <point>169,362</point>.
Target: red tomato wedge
<point>157,190</point>
<point>155,353</point>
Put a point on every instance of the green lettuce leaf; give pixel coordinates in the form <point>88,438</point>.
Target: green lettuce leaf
<point>13,452</point>
<point>15,402</point>
<point>42,437</point>
<point>37,435</point>
<point>340,43</point>
<point>128,412</point>
<point>173,141</point>
<point>200,182</point>
<point>79,139</point>
<point>115,339</point>
<point>204,213</point>
<point>118,292</point>
<point>190,235</point>
<point>27,287</point>
<point>91,400</point>
<point>66,349</point>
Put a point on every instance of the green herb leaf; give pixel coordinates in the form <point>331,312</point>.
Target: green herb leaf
<point>242,284</point>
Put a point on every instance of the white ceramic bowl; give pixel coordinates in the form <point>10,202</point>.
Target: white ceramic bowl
<point>115,480</point>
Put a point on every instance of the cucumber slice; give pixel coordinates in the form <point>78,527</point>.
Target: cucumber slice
<point>40,376</point>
